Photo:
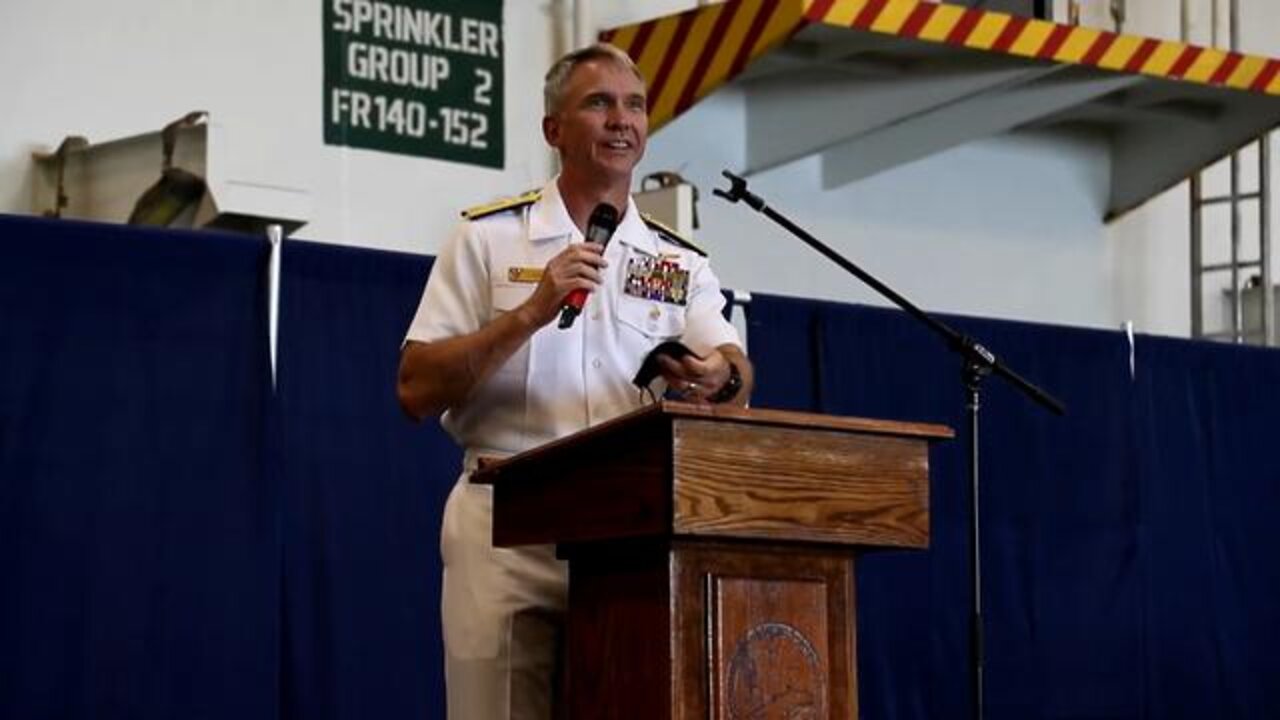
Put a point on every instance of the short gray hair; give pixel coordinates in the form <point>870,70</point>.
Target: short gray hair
<point>558,75</point>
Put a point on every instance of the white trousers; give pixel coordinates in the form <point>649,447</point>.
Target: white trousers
<point>502,611</point>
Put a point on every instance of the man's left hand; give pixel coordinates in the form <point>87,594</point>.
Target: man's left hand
<point>695,379</point>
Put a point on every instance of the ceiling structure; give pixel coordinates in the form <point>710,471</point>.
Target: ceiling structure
<point>870,84</point>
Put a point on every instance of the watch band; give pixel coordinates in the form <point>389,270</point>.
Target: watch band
<point>730,389</point>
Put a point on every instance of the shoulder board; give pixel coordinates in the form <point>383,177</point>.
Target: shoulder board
<point>497,206</point>
<point>671,235</point>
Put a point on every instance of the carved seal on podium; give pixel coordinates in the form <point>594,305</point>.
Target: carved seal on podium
<point>775,672</point>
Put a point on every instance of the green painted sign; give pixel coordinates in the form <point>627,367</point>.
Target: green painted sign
<point>415,77</point>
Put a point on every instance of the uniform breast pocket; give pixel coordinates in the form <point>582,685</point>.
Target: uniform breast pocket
<point>504,299</point>
<point>649,322</point>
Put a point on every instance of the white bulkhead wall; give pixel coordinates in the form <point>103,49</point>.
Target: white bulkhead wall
<point>1003,227</point>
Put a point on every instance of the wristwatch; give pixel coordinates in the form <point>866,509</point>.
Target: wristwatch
<point>730,389</point>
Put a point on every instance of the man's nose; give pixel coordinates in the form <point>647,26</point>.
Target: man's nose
<point>618,118</point>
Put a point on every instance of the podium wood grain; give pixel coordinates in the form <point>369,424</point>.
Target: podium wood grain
<point>711,553</point>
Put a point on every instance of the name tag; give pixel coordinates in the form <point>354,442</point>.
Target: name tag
<point>524,274</point>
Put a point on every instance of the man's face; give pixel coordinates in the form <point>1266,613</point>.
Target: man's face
<point>601,125</point>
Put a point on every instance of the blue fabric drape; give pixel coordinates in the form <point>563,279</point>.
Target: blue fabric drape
<point>364,490</point>
<point>1125,547</point>
<point>1211,484</point>
<point>138,528</point>
<point>177,541</point>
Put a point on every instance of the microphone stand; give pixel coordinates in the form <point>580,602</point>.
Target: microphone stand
<point>977,363</point>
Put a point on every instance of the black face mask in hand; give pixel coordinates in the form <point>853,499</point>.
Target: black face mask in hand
<point>649,369</point>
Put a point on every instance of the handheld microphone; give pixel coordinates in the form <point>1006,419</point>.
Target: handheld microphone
<point>600,227</point>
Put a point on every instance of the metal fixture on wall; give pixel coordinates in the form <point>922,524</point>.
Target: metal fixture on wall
<point>177,189</point>
<point>69,143</point>
<point>1029,8</point>
<point>1118,14</point>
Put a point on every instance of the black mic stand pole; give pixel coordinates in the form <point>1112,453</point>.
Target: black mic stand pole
<point>978,363</point>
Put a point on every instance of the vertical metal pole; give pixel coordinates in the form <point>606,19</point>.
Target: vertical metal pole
<point>1213,24</point>
<point>582,20</point>
<point>1237,292</point>
<point>973,378</point>
<point>1197,280</point>
<point>1197,273</point>
<point>1234,19</point>
<point>1118,14</point>
<point>1269,334</point>
<point>1237,287</point>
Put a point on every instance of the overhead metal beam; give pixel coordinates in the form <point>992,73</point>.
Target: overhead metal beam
<point>1150,155</point>
<point>792,115</point>
<point>978,115</point>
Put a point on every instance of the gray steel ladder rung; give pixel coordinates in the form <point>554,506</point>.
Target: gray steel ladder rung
<point>1221,199</point>
<point>1218,267</point>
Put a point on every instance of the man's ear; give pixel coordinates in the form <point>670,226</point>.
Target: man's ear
<point>551,131</point>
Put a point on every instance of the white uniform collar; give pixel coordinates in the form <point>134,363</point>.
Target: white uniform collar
<point>634,232</point>
<point>549,220</point>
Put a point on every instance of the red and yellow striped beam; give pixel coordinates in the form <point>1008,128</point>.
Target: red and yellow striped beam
<point>687,56</point>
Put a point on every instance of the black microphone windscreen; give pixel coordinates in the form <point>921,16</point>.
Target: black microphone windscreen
<point>602,223</point>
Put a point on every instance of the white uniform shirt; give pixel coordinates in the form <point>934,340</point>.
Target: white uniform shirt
<point>561,381</point>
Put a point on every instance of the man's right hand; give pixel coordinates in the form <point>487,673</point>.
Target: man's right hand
<point>438,375</point>
<point>576,267</point>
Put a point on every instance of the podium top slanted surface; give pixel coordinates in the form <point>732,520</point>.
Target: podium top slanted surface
<point>493,469</point>
<point>792,418</point>
<point>683,470</point>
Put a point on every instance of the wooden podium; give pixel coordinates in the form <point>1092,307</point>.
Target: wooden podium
<point>711,553</point>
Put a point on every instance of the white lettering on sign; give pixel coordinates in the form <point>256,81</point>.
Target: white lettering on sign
<point>408,118</point>
<point>395,66</point>
<point>428,29</point>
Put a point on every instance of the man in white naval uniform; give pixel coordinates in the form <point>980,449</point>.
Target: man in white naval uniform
<point>483,350</point>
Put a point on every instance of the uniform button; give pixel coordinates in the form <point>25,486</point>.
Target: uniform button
<point>595,315</point>
<point>596,363</point>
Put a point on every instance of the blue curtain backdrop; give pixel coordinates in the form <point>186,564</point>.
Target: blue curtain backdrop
<point>1127,549</point>
<point>178,541</point>
<point>139,531</point>
<point>364,489</point>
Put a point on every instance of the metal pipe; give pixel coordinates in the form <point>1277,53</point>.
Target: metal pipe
<point>1213,23</point>
<point>1269,335</point>
<point>1197,282</point>
<point>1118,14</point>
<point>1237,287</point>
<point>583,30</point>
<point>1237,292</point>
<point>1234,19</point>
